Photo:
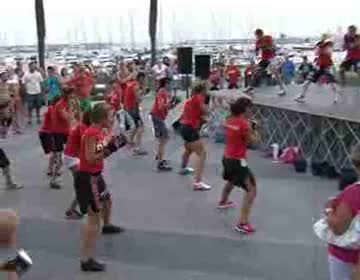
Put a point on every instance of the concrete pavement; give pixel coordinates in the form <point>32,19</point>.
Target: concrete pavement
<point>172,232</point>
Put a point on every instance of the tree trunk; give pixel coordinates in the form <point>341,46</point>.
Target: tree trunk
<point>41,31</point>
<point>152,29</point>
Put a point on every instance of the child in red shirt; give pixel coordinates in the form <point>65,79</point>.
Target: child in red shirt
<point>71,157</point>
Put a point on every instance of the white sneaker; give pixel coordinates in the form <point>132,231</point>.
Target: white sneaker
<point>300,98</point>
<point>201,186</point>
<point>282,92</point>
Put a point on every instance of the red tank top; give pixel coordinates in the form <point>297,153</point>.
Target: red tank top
<point>86,166</point>
<point>72,148</point>
<point>129,98</point>
<point>46,125</point>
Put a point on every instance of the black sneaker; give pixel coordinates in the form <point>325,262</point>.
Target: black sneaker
<point>92,265</point>
<point>164,166</point>
<point>111,229</point>
<point>55,186</point>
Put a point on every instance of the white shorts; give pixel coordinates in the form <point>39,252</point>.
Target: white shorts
<point>70,162</point>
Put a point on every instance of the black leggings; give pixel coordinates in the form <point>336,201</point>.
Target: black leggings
<point>4,161</point>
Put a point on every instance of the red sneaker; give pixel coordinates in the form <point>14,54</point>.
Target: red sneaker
<point>226,205</point>
<point>245,228</point>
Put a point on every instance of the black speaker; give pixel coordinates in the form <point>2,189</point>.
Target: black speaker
<point>185,56</point>
<point>202,66</point>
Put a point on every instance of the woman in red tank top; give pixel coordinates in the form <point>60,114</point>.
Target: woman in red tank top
<point>238,134</point>
<point>91,192</point>
<point>193,113</point>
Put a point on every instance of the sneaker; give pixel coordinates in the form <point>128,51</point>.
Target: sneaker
<point>14,186</point>
<point>73,215</point>
<point>282,92</point>
<point>226,205</point>
<point>245,228</point>
<point>55,186</point>
<point>186,171</point>
<point>300,98</point>
<point>92,265</point>
<point>201,186</point>
<point>111,229</point>
<point>164,166</point>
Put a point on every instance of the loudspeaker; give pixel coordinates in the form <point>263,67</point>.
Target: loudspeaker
<point>202,66</point>
<point>185,56</point>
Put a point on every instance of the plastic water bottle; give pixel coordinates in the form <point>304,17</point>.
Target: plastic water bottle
<point>275,148</point>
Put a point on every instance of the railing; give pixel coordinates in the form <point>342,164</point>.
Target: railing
<point>320,138</point>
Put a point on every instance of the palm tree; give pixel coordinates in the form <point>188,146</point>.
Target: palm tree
<point>152,28</point>
<point>41,31</point>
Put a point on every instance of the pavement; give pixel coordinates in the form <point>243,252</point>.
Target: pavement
<point>172,232</point>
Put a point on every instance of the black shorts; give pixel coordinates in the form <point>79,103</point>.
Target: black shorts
<point>233,86</point>
<point>320,73</point>
<point>34,101</point>
<point>189,134</point>
<point>160,128</point>
<point>264,63</point>
<point>4,161</point>
<point>349,64</point>
<point>236,174</point>
<point>47,142</point>
<point>135,115</point>
<point>90,191</point>
<point>60,140</point>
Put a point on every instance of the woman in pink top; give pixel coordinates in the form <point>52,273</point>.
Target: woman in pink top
<point>344,263</point>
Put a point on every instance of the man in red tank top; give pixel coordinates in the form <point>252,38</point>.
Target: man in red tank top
<point>324,65</point>
<point>91,192</point>
<point>352,48</point>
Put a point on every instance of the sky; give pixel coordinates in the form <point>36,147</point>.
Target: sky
<point>70,21</point>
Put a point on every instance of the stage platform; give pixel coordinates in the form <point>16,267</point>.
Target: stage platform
<point>323,130</point>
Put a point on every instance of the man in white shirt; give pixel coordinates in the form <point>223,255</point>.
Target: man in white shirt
<point>160,72</point>
<point>33,85</point>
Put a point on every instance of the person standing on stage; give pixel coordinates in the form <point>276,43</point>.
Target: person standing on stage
<point>265,49</point>
<point>159,112</point>
<point>352,48</point>
<point>91,191</point>
<point>239,133</point>
<point>233,75</point>
<point>194,112</point>
<point>324,65</point>
<point>132,97</point>
<point>33,84</point>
